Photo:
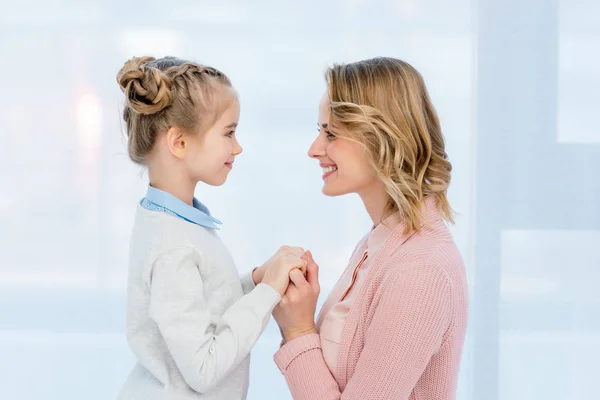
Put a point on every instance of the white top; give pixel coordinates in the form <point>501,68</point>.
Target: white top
<point>189,323</point>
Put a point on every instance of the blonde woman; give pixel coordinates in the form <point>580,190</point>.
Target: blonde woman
<point>394,325</point>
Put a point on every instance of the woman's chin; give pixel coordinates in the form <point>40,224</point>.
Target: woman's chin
<point>332,191</point>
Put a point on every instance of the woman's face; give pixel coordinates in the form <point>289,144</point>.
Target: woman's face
<point>345,165</point>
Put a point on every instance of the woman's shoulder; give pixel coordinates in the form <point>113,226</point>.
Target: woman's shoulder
<point>430,253</point>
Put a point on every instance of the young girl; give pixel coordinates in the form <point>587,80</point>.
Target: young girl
<point>191,323</point>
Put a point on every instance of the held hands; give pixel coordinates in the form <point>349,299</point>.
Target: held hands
<point>295,314</point>
<point>277,270</point>
<point>295,275</point>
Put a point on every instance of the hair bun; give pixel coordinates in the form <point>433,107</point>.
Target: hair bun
<point>147,89</point>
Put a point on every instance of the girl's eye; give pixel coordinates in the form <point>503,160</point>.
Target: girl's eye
<point>229,134</point>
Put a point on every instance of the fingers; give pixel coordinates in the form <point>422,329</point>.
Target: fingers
<point>294,261</point>
<point>297,278</point>
<point>295,250</point>
<point>307,256</point>
<point>291,293</point>
<point>312,275</point>
<point>295,257</point>
<point>303,267</point>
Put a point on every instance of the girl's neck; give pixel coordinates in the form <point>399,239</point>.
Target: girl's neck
<point>174,183</point>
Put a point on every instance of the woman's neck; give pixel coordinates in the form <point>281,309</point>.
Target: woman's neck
<point>375,199</point>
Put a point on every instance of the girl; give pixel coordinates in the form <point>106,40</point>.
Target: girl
<point>191,323</point>
<point>393,328</point>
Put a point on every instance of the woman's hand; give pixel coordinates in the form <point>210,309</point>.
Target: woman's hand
<point>295,314</point>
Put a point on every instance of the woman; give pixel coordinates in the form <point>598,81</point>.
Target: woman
<point>394,325</point>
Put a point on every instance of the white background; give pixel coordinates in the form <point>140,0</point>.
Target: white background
<point>516,86</point>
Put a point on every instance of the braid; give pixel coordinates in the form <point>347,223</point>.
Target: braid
<point>195,71</point>
<point>166,92</point>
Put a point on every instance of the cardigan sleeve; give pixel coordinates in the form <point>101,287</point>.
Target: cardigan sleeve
<point>407,328</point>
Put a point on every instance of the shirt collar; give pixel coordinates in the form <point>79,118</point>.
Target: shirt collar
<point>198,214</point>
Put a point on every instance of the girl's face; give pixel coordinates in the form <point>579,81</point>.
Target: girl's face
<point>210,156</point>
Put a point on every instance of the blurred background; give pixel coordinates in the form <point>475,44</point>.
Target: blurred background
<point>517,88</point>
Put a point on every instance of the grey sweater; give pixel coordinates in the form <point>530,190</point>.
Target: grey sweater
<point>191,321</point>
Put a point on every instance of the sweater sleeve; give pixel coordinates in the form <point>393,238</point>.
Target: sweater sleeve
<point>407,329</point>
<point>205,347</point>
<point>247,282</point>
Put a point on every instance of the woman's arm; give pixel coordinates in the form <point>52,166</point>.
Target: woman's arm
<point>407,328</point>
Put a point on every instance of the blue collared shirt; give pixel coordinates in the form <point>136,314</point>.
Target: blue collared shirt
<point>158,200</point>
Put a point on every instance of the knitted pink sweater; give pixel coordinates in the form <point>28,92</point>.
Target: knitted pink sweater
<point>404,334</point>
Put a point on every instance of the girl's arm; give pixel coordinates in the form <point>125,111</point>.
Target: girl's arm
<point>247,281</point>
<point>205,348</point>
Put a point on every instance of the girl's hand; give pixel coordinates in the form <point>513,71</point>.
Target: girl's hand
<point>277,269</point>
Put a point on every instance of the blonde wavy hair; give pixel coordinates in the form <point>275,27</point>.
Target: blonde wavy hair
<point>383,104</point>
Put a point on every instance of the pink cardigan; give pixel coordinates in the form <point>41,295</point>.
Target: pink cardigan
<point>404,334</point>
